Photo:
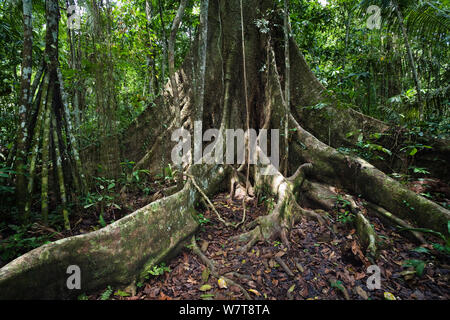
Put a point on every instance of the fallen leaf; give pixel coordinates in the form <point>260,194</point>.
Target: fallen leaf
<point>205,275</point>
<point>389,296</point>
<point>222,283</point>
<point>360,291</point>
<point>254,291</point>
<point>205,287</point>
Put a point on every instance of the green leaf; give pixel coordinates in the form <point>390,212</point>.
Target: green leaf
<point>205,287</point>
<point>102,221</point>
<point>105,295</point>
<point>360,137</point>
<point>413,152</point>
<point>436,233</point>
<point>121,293</point>
<point>418,265</point>
<point>421,250</point>
<point>205,274</point>
<point>83,296</point>
<point>207,296</point>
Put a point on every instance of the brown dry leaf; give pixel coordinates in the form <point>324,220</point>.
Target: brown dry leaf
<point>205,245</point>
<point>192,280</point>
<point>360,275</point>
<point>235,289</point>
<point>271,263</point>
<point>361,293</point>
<point>162,296</point>
<point>304,292</point>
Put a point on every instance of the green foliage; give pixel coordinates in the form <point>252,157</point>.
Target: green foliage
<point>418,265</point>
<point>367,67</point>
<point>344,214</point>
<point>5,186</point>
<point>135,180</point>
<point>337,284</point>
<point>277,243</point>
<point>121,293</point>
<point>106,294</point>
<point>19,242</point>
<point>157,270</point>
<point>419,170</point>
<point>345,217</point>
<point>105,195</point>
<point>201,219</point>
<point>341,201</point>
<point>366,148</point>
<point>445,249</point>
<point>83,296</point>
<point>168,174</point>
<point>269,202</point>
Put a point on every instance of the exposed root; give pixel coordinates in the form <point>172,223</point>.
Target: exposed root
<point>219,217</point>
<point>366,234</point>
<point>361,177</point>
<point>210,264</point>
<point>286,212</point>
<point>320,194</point>
<point>388,217</point>
<point>117,254</point>
<point>285,267</point>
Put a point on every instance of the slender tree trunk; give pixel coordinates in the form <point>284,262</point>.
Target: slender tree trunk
<point>287,85</point>
<point>24,104</point>
<point>45,155</point>
<point>35,145</point>
<point>203,44</point>
<point>60,174</point>
<point>347,36</point>
<point>74,65</point>
<point>152,84</point>
<point>411,59</point>
<point>164,45</point>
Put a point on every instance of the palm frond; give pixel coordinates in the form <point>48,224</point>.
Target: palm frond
<point>427,19</point>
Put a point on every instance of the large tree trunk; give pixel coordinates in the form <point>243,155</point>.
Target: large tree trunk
<point>120,253</point>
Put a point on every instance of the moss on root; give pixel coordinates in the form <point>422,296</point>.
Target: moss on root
<point>115,255</point>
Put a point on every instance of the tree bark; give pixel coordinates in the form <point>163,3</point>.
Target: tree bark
<point>411,60</point>
<point>24,104</point>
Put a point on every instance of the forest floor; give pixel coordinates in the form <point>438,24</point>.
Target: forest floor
<point>323,262</point>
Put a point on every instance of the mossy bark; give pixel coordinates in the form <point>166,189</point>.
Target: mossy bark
<point>361,177</point>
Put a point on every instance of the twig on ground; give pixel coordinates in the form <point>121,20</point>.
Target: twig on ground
<point>212,268</point>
